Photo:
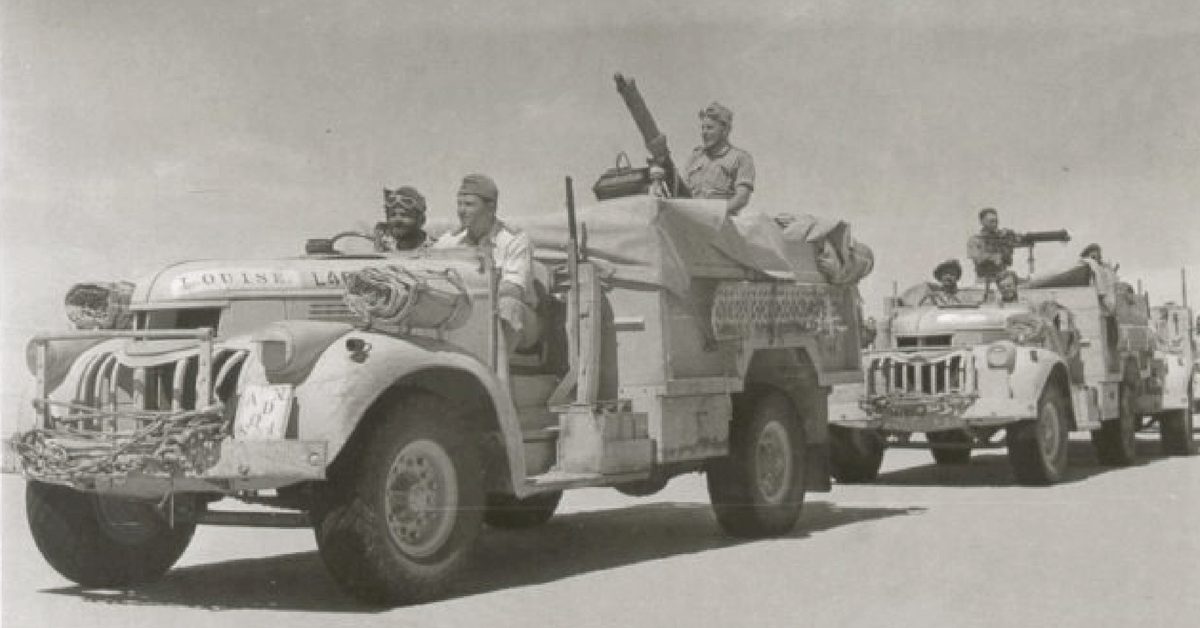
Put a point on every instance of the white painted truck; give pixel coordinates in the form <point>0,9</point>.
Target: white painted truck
<point>1073,354</point>
<point>674,342</point>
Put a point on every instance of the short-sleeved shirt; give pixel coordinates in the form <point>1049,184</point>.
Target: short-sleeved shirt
<point>718,174</point>
<point>993,250</point>
<point>512,252</point>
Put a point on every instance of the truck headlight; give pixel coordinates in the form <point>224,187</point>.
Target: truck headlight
<point>289,349</point>
<point>60,355</point>
<point>276,349</point>
<point>100,305</point>
<point>1001,355</point>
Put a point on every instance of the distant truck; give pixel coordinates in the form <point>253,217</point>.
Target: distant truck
<point>371,396</point>
<point>1069,356</point>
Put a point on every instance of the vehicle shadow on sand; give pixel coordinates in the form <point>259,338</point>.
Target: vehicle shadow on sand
<point>990,468</point>
<point>570,544</point>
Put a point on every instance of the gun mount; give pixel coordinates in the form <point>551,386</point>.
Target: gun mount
<point>624,180</point>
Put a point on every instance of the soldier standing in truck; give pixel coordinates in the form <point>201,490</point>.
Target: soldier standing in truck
<point>403,230</point>
<point>992,248</point>
<point>718,169</point>
<point>512,252</point>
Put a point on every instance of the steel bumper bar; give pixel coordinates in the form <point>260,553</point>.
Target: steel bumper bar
<point>982,413</point>
<point>242,465</point>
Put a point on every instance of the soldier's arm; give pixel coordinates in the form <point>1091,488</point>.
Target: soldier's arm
<point>743,184</point>
<point>740,198</point>
<point>516,270</point>
<point>976,249</point>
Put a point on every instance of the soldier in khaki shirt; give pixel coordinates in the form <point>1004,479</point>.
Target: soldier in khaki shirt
<point>512,251</point>
<point>717,169</point>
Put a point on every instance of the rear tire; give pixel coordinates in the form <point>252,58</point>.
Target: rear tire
<point>1037,450</point>
<point>1175,429</point>
<point>949,455</point>
<point>103,542</point>
<point>855,455</point>
<point>510,513</point>
<point>1116,440</point>
<point>398,527</point>
<point>758,489</point>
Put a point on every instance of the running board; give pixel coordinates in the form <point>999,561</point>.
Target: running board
<point>565,479</point>
<point>253,519</point>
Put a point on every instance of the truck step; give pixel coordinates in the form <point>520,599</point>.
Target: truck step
<point>566,479</point>
<point>253,519</point>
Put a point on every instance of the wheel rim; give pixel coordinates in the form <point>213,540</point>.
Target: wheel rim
<point>421,498</point>
<point>1049,437</point>
<point>774,462</point>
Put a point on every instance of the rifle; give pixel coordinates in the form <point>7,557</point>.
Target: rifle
<point>655,141</point>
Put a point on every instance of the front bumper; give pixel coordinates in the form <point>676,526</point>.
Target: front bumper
<point>929,414</point>
<point>235,465</point>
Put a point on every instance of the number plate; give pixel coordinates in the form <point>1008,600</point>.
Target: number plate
<point>263,412</point>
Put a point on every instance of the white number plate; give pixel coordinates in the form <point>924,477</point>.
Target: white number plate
<point>263,412</point>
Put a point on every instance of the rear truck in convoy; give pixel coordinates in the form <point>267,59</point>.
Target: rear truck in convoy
<point>371,397</point>
<point>1079,351</point>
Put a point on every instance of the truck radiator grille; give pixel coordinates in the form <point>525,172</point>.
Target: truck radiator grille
<point>918,374</point>
<point>120,392</point>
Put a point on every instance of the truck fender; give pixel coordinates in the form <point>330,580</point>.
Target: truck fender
<point>1034,370</point>
<point>344,385</point>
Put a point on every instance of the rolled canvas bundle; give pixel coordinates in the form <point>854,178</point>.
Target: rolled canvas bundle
<point>396,299</point>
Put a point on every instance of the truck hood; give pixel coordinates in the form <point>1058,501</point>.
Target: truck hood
<point>930,320</point>
<point>221,280</point>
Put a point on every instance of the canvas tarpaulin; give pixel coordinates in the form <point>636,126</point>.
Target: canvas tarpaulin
<point>667,242</point>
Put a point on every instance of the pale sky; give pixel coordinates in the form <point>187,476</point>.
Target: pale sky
<point>134,133</point>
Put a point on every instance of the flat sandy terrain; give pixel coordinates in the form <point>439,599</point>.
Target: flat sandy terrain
<point>925,546</point>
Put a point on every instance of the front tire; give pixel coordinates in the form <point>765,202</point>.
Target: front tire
<point>1116,440</point>
<point>1175,429</point>
<point>510,513</point>
<point>399,527</point>
<point>1037,450</point>
<point>103,542</point>
<point>758,489</point>
<point>855,455</point>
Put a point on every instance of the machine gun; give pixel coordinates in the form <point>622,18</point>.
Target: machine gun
<point>1009,239</point>
<point>624,180</point>
<point>1033,237</point>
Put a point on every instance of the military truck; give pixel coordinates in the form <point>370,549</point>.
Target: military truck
<point>1078,351</point>
<point>371,396</point>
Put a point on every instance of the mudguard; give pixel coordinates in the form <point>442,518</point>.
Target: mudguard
<point>343,384</point>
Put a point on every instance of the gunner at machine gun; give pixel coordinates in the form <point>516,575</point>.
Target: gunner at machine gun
<point>992,248</point>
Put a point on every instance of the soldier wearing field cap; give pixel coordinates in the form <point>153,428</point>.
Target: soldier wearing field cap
<point>1092,252</point>
<point>717,169</point>
<point>512,252</point>
<point>403,230</point>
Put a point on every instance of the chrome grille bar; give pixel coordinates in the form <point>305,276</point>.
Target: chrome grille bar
<point>892,374</point>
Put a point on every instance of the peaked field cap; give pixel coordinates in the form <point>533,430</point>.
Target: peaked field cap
<point>480,185</point>
<point>717,112</point>
<point>1091,248</point>
<point>951,266</point>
